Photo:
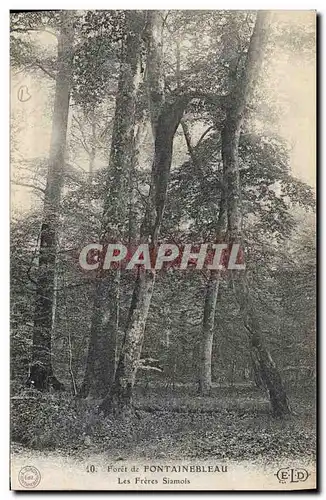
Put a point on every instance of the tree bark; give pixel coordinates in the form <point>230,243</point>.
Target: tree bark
<point>140,136</point>
<point>120,395</point>
<point>101,359</point>
<point>207,335</point>
<point>237,102</point>
<point>211,296</point>
<point>41,371</point>
<point>119,399</point>
<point>165,119</point>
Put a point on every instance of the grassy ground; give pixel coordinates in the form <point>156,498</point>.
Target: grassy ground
<point>231,423</point>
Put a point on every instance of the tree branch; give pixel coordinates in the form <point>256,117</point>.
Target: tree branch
<point>26,30</point>
<point>198,94</point>
<point>25,184</point>
<point>202,137</point>
<point>39,65</point>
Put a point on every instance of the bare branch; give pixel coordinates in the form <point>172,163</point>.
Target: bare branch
<point>39,65</point>
<point>25,184</point>
<point>82,140</point>
<point>26,30</point>
<point>204,135</point>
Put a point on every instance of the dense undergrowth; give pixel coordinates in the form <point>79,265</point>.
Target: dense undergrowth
<point>228,424</point>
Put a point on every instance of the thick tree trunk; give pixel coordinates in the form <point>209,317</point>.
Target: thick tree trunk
<point>120,397</point>
<point>41,372</point>
<point>237,103</point>
<point>155,75</point>
<point>164,124</point>
<point>271,378</point>
<point>101,357</point>
<point>141,132</point>
<point>101,360</point>
<point>267,375</point>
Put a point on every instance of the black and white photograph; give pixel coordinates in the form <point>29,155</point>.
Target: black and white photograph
<point>163,250</point>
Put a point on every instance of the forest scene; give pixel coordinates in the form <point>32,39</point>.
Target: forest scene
<point>149,127</point>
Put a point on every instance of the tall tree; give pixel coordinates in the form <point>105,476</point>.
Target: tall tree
<point>208,324</point>
<point>206,337</point>
<point>238,99</point>
<point>41,371</point>
<point>165,118</point>
<point>101,360</point>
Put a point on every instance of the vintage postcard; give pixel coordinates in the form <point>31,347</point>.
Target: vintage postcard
<point>163,250</point>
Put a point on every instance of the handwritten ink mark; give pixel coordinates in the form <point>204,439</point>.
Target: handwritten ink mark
<point>23,94</point>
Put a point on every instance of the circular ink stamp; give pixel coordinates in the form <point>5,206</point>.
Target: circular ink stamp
<point>29,477</point>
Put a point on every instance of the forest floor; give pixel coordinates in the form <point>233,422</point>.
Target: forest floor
<point>231,423</point>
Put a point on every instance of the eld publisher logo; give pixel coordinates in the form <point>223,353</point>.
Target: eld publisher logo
<point>292,475</point>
